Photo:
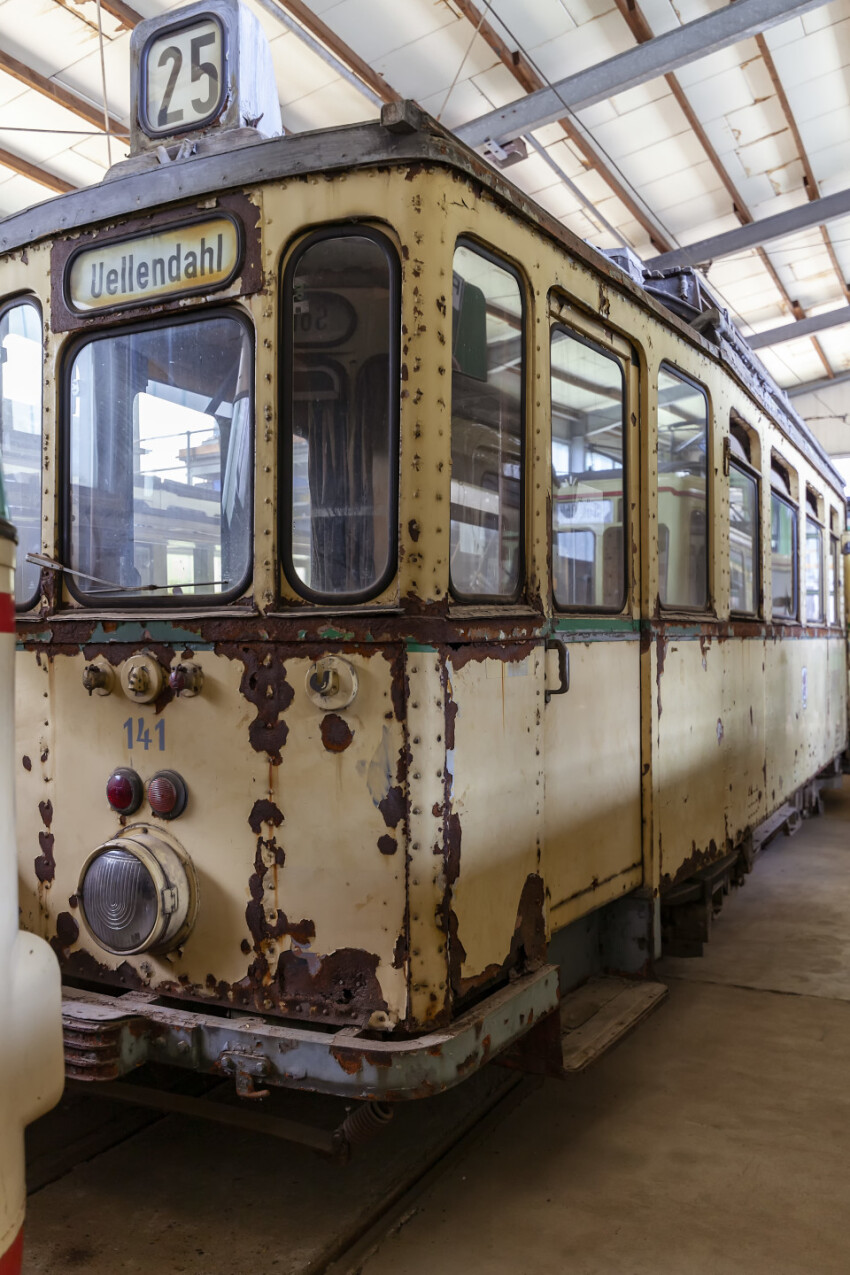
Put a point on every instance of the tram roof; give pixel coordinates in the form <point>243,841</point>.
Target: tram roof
<point>404,135</point>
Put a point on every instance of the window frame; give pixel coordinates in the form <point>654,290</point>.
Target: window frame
<point>834,552</point>
<point>811,519</point>
<point>679,607</point>
<point>795,573</point>
<point>749,470</point>
<point>289,260</point>
<point>27,298</point>
<point>120,601</point>
<point>567,609</point>
<point>499,599</point>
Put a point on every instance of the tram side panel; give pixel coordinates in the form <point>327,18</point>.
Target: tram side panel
<point>31,1065</point>
<point>295,825</point>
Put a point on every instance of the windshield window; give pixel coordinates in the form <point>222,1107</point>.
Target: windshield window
<point>341,337</point>
<point>588,564</point>
<point>783,549</point>
<point>487,421</point>
<point>20,436</point>
<point>683,489</point>
<point>161,457</point>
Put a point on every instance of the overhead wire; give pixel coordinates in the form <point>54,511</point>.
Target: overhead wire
<point>103,84</point>
<point>570,114</point>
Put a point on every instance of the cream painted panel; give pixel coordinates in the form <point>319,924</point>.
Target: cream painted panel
<point>782,710</point>
<point>815,748</point>
<point>742,720</point>
<point>335,838</point>
<point>690,755</point>
<point>497,792</point>
<point>334,875</point>
<point>837,659</point>
<point>428,884</point>
<point>593,780</point>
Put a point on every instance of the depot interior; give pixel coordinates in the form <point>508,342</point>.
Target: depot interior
<point>732,157</point>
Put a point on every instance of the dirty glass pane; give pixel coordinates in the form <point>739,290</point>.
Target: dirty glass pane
<point>20,436</point>
<point>341,329</point>
<point>813,567</point>
<point>161,454</point>
<point>834,580</point>
<point>487,376</point>
<point>683,489</point>
<point>783,548</point>
<point>588,564</point>
<point>743,541</point>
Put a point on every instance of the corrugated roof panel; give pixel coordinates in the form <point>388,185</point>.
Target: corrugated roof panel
<point>438,56</point>
<point>465,103</point>
<point>593,41</point>
<point>836,347</point>
<point>692,183</point>
<point>793,363</point>
<point>376,28</point>
<point>538,23</point>
<point>658,122</point>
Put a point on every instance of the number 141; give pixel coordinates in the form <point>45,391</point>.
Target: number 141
<point>142,735</point>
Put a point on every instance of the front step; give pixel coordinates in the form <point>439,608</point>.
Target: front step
<point>599,1013</point>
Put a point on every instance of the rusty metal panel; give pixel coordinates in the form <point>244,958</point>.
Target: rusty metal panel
<point>432,861</point>
<point>743,738</point>
<point>784,662</point>
<point>690,757</point>
<point>295,825</point>
<point>592,846</point>
<point>496,798</point>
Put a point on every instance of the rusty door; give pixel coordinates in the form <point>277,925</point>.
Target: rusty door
<point>592,718</point>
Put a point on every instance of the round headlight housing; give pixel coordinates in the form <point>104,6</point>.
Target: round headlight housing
<point>138,893</point>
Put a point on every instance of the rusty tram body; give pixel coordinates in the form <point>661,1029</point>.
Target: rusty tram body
<point>415,610</point>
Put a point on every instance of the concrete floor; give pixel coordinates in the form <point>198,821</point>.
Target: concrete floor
<point>714,1140</point>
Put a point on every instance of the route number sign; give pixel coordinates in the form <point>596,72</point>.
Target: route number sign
<point>184,77</point>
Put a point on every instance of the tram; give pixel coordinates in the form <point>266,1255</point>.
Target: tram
<point>31,1060</point>
<point>418,604</point>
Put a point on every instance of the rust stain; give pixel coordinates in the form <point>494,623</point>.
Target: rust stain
<point>45,863</point>
<point>387,844</point>
<point>336,733</point>
<point>264,811</point>
<point>26,763</point>
<point>393,807</point>
<point>67,933</point>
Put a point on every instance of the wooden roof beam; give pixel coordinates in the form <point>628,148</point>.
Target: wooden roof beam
<point>525,74</point>
<point>642,31</point>
<point>57,93</point>
<point>24,168</point>
<point>689,42</point>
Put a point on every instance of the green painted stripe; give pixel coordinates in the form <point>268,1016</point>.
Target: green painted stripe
<point>594,624</point>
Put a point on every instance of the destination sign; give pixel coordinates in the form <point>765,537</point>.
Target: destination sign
<point>196,257</point>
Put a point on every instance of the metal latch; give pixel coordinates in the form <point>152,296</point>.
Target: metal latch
<point>560,646</point>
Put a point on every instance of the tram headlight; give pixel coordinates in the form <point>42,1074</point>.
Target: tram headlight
<point>138,893</point>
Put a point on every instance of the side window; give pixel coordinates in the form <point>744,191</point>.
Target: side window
<point>834,561</point>
<point>744,537</point>
<point>488,361</point>
<point>683,487</point>
<point>20,435</point>
<point>588,547</point>
<point>340,339</point>
<point>813,563</point>
<point>743,540</point>
<point>783,545</point>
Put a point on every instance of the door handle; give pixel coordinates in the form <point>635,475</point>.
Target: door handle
<point>559,645</point>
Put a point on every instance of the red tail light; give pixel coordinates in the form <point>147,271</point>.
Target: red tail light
<point>167,794</point>
<point>124,791</point>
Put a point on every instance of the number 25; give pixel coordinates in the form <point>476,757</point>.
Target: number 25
<point>173,55</point>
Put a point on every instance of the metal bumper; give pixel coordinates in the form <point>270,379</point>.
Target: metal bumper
<point>108,1036</point>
